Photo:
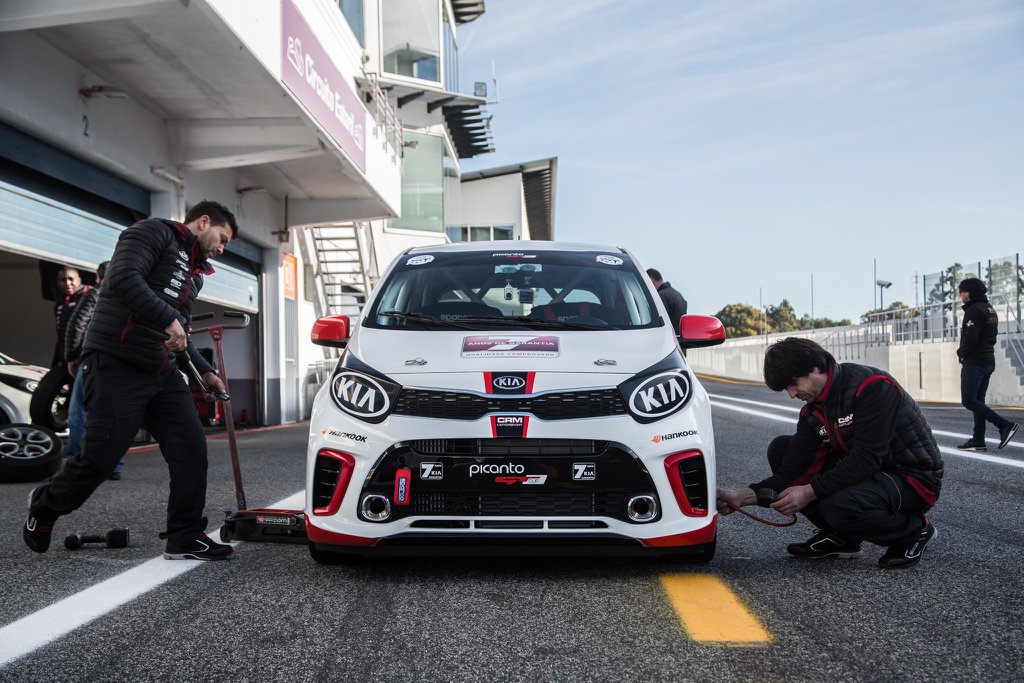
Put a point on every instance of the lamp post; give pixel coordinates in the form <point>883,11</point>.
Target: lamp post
<point>882,286</point>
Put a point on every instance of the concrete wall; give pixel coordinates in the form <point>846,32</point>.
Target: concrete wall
<point>495,201</point>
<point>928,371</point>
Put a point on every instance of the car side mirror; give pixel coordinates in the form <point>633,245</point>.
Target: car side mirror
<point>332,330</point>
<point>696,331</point>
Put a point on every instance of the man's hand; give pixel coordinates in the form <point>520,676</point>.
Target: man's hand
<point>731,499</point>
<point>794,499</point>
<point>215,383</point>
<point>176,339</point>
<point>72,367</point>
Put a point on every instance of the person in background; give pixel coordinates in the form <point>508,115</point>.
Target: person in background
<point>70,292</point>
<point>674,302</point>
<point>74,340</point>
<point>977,356</point>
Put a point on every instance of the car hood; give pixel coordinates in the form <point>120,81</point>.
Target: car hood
<point>398,352</point>
<point>23,371</point>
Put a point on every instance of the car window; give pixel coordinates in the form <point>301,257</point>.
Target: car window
<point>583,289</point>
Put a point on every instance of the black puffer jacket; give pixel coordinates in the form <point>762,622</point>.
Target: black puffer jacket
<point>78,322</point>
<point>863,422</point>
<point>154,277</point>
<point>64,316</point>
<point>978,333</point>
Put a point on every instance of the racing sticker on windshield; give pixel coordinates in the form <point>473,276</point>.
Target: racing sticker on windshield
<point>609,260</point>
<point>518,346</point>
<point>509,426</point>
<point>509,382</point>
<point>419,260</point>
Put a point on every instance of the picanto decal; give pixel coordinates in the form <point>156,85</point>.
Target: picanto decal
<point>509,426</point>
<point>519,346</point>
<point>524,479</point>
<point>513,254</point>
<point>360,395</point>
<point>509,382</point>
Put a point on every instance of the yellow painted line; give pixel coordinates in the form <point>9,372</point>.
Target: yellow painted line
<point>729,380</point>
<point>711,613</point>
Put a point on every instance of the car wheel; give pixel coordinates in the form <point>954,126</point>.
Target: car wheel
<point>28,452</point>
<point>327,557</point>
<point>51,400</point>
<point>698,554</point>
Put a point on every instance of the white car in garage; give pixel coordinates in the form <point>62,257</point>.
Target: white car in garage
<point>504,397</point>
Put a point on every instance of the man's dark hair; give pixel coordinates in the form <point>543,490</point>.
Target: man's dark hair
<point>218,213</point>
<point>654,274</point>
<point>973,286</point>
<point>101,270</point>
<point>791,358</point>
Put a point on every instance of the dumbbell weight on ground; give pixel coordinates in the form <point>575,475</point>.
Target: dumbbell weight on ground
<point>115,538</point>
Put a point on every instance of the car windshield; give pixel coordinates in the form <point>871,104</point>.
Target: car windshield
<point>7,360</point>
<point>587,290</point>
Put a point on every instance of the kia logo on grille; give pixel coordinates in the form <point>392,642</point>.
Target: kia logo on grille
<point>507,382</point>
<point>360,395</point>
<point>660,395</point>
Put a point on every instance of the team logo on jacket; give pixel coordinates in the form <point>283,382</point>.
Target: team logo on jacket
<point>660,395</point>
<point>360,394</point>
<point>183,255</point>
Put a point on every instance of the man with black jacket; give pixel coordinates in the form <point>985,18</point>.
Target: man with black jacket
<point>977,356</point>
<point>862,466</point>
<point>675,304</point>
<point>134,343</point>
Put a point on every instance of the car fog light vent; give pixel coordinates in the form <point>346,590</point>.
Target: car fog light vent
<point>375,507</point>
<point>642,508</point>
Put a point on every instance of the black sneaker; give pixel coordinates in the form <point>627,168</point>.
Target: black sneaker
<point>907,556</point>
<point>1006,433</point>
<point>972,445</point>
<point>199,548</point>
<point>37,528</point>
<point>824,544</point>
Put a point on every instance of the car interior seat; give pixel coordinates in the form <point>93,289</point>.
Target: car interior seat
<point>578,311</point>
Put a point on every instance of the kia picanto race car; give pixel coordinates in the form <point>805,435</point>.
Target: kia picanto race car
<point>502,397</point>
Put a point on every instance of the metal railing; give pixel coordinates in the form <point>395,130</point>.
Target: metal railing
<point>384,114</point>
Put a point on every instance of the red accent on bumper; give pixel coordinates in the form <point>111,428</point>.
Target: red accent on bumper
<point>348,463</point>
<point>698,537</point>
<point>674,478</point>
<point>317,535</point>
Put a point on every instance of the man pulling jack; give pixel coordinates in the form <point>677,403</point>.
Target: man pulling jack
<point>135,341</point>
<point>862,466</point>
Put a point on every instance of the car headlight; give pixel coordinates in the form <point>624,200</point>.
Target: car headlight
<point>361,391</point>
<point>659,391</point>
<point>26,385</point>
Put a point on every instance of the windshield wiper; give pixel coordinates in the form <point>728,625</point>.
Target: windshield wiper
<point>421,318</point>
<point>524,321</point>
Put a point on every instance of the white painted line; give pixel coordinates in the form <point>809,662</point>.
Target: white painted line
<point>776,406</point>
<point>991,440</point>
<point>948,451</point>
<point>31,632</point>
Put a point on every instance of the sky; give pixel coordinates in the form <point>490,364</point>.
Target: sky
<point>756,151</point>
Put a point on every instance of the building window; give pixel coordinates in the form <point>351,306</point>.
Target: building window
<point>353,11</point>
<point>480,233</point>
<point>411,38</point>
<point>422,184</point>
<point>451,56</point>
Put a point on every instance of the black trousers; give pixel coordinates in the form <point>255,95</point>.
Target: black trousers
<point>121,399</point>
<point>882,509</point>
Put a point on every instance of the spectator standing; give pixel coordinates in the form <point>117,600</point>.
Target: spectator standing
<point>70,292</point>
<point>135,341</point>
<point>977,356</point>
<point>675,304</point>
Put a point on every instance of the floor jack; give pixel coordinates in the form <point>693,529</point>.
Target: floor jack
<point>258,524</point>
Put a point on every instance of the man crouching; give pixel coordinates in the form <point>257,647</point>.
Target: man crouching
<point>862,466</point>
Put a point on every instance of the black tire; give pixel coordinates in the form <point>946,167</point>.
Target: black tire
<point>28,452</point>
<point>699,554</point>
<point>51,400</point>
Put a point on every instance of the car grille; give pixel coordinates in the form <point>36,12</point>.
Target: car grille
<point>450,405</point>
<point>507,447</point>
<point>584,504</point>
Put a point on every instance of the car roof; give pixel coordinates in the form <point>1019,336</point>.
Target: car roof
<point>513,246</point>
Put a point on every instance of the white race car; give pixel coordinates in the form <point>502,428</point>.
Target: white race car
<point>501,397</point>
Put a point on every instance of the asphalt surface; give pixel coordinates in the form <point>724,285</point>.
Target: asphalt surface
<point>272,614</point>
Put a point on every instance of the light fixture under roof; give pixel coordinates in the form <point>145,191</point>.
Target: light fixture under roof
<point>105,90</point>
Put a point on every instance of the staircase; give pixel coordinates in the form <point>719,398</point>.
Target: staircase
<point>1013,347</point>
<point>342,252</point>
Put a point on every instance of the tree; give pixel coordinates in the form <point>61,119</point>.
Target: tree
<point>818,323</point>
<point>741,320</point>
<point>945,289</point>
<point>782,318</point>
<point>896,310</point>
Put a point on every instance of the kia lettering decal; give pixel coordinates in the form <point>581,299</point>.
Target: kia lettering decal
<point>360,395</point>
<point>660,395</point>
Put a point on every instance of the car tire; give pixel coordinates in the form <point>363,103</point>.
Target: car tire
<point>28,452</point>
<point>329,558</point>
<point>698,554</point>
<point>51,400</point>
